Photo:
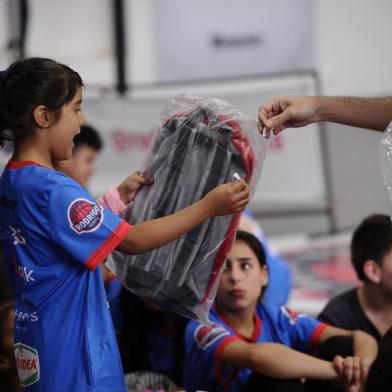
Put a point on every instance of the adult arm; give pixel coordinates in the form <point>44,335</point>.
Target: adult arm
<point>297,111</point>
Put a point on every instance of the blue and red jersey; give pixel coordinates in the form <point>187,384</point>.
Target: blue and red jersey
<point>204,345</point>
<point>54,236</point>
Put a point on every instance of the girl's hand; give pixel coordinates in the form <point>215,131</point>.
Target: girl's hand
<point>227,198</point>
<point>352,372</point>
<point>128,188</point>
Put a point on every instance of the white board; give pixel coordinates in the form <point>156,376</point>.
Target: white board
<point>293,172</point>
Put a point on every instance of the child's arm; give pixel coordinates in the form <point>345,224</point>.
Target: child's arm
<point>354,369</point>
<point>276,361</point>
<point>223,200</point>
<point>117,199</point>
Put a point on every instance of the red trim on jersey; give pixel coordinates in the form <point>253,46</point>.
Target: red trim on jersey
<point>314,339</point>
<point>256,330</point>
<point>108,245</point>
<point>19,164</point>
<point>218,366</point>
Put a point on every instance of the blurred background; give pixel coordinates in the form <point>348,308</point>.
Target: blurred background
<point>135,54</point>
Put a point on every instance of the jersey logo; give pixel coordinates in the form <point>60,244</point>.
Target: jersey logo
<point>27,364</point>
<point>205,335</point>
<point>84,216</point>
<point>290,314</point>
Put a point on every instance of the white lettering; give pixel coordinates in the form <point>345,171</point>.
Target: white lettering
<point>24,273</point>
<point>17,237</point>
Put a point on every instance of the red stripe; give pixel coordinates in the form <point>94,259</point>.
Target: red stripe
<point>19,164</point>
<point>110,243</point>
<point>256,329</point>
<point>242,144</point>
<point>218,366</point>
<point>314,339</point>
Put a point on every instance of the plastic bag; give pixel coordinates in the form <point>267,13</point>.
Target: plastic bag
<point>201,143</point>
<point>386,160</point>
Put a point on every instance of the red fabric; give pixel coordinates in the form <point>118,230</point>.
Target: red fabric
<point>217,363</point>
<point>314,339</point>
<point>256,329</point>
<point>108,245</point>
<point>243,146</point>
<point>19,164</point>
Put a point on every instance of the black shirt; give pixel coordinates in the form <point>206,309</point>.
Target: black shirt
<point>345,311</point>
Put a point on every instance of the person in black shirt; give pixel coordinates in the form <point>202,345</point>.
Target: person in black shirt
<point>369,306</point>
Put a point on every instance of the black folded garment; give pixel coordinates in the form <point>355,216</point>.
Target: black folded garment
<point>192,153</point>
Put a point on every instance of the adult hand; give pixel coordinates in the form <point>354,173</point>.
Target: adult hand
<point>287,112</point>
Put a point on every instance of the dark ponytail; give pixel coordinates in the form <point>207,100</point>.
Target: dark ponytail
<point>27,84</point>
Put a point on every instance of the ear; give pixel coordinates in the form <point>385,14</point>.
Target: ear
<point>264,275</point>
<point>41,116</point>
<point>372,271</point>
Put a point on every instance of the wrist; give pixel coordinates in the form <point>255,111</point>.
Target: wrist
<point>204,209</point>
<point>122,194</point>
<point>111,199</point>
<point>321,109</point>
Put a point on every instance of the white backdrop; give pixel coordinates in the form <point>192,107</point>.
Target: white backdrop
<point>292,175</point>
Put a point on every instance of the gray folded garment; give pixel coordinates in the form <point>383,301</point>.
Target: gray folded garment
<point>193,152</point>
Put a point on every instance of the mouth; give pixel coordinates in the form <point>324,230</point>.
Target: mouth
<point>237,293</point>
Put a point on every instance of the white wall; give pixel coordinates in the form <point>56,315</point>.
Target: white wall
<point>353,44</point>
<point>355,58</point>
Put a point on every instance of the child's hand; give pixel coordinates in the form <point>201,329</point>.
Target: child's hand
<point>227,198</point>
<point>352,372</point>
<point>128,188</point>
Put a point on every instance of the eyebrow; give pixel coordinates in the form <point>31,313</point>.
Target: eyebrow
<point>243,258</point>
<point>78,102</point>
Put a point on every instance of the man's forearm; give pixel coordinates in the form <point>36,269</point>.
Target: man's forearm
<point>370,113</point>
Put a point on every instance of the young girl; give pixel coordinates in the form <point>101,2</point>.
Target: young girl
<point>54,235</point>
<point>240,340</point>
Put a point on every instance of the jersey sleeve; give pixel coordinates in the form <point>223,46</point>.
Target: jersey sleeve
<point>204,345</point>
<point>87,231</point>
<point>303,331</point>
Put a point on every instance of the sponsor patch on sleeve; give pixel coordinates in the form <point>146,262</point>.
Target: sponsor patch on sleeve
<point>84,216</point>
<point>205,335</point>
<point>291,315</point>
<point>27,364</point>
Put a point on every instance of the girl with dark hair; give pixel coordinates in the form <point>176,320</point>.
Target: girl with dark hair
<point>251,346</point>
<point>54,235</point>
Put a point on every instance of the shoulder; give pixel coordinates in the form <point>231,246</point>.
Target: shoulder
<point>42,178</point>
<point>346,300</point>
<point>341,310</point>
<point>204,335</point>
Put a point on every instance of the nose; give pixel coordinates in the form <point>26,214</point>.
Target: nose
<point>235,274</point>
<point>83,119</point>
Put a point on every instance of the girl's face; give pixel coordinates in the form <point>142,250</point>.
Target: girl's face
<point>242,280</point>
<point>62,133</point>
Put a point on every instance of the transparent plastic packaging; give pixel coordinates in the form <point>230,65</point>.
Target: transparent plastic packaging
<point>386,160</point>
<point>201,143</point>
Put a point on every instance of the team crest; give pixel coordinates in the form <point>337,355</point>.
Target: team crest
<point>84,216</point>
<point>27,364</point>
<point>291,315</point>
<point>205,335</point>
